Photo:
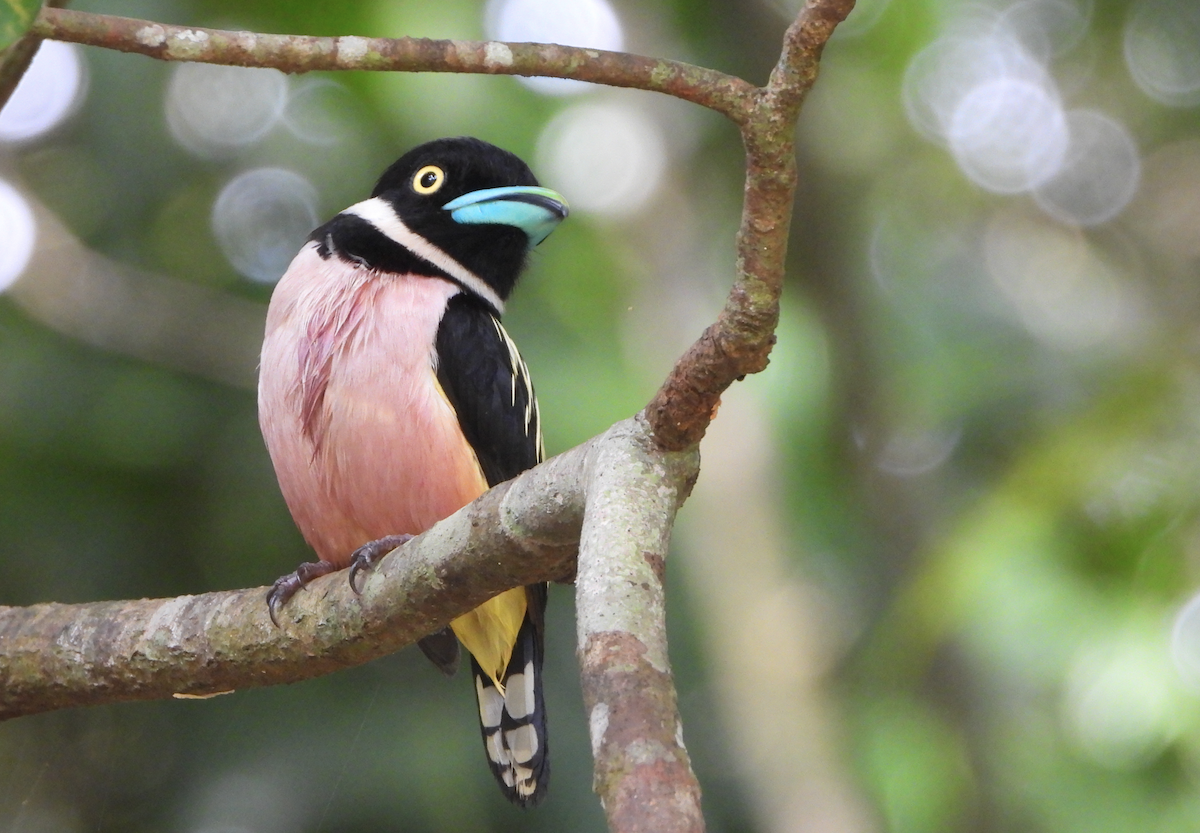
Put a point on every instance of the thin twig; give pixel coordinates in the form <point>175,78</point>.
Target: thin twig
<point>726,94</point>
<point>803,44</point>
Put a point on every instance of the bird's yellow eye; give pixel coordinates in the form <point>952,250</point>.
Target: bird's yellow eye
<point>428,179</point>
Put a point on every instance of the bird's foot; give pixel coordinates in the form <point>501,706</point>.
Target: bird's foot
<point>287,586</point>
<point>368,555</point>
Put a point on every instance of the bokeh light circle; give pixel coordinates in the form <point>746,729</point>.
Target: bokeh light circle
<point>910,450</point>
<point>261,218</point>
<point>590,23</point>
<point>215,110</point>
<point>18,233</point>
<point>320,112</point>
<point>1099,175</point>
<point>47,93</point>
<point>1009,135</point>
<point>944,73</point>
<point>606,158</point>
<point>1162,50</point>
<point>1047,28</point>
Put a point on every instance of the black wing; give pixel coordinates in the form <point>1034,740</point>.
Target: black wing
<point>487,383</point>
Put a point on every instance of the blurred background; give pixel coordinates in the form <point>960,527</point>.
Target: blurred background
<point>938,574</point>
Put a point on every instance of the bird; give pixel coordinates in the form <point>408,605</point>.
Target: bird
<point>390,396</point>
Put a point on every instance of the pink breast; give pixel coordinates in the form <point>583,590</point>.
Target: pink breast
<point>363,440</point>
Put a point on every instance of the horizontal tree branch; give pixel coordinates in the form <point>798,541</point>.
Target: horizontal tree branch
<point>726,94</point>
<point>520,532</point>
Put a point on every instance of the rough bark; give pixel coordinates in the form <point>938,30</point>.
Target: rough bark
<point>527,530</point>
<point>643,774</point>
<point>524,531</point>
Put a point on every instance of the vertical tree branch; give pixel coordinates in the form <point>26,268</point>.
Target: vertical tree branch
<point>740,340</point>
<point>643,774</point>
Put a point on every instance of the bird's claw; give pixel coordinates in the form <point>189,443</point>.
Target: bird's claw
<point>368,555</point>
<point>287,586</point>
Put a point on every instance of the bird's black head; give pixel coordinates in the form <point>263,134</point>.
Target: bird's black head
<point>479,204</point>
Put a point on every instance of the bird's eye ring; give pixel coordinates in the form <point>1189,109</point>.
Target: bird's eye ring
<point>429,179</point>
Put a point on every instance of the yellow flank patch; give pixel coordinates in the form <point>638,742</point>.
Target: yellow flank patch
<point>453,415</point>
<point>490,631</point>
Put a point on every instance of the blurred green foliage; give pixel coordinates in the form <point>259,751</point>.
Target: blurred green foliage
<point>994,492</point>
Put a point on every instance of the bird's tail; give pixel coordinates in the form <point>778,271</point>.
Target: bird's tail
<point>513,723</point>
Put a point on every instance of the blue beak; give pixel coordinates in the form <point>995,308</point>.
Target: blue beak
<point>535,211</point>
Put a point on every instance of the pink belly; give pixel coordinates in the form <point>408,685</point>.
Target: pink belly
<point>363,440</point>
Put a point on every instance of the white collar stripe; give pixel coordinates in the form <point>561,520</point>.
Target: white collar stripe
<point>383,217</point>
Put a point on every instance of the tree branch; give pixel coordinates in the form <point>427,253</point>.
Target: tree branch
<point>643,774</point>
<point>726,94</point>
<point>56,656</point>
<point>739,342</point>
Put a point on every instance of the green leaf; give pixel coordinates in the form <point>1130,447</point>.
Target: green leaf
<point>16,16</point>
